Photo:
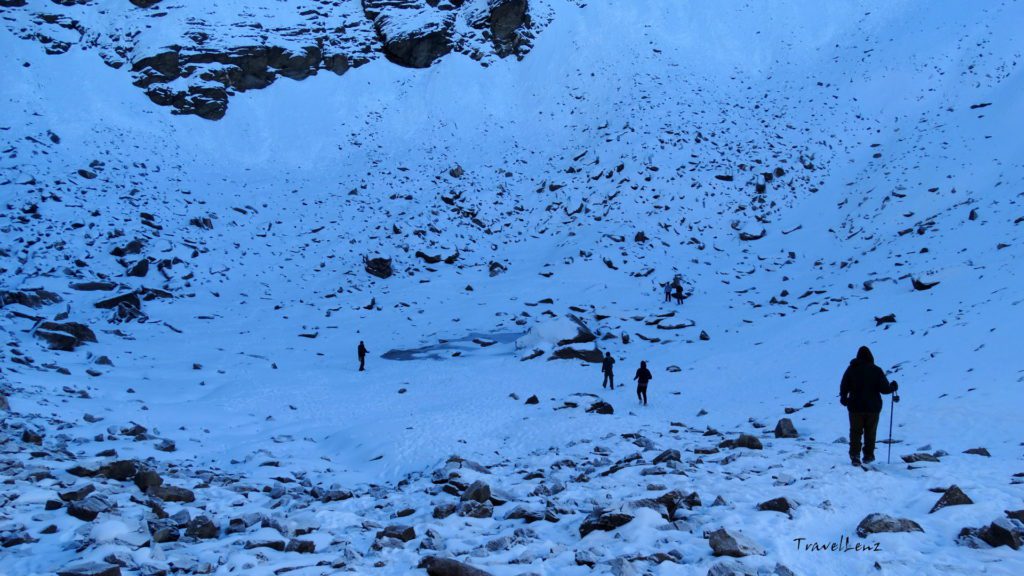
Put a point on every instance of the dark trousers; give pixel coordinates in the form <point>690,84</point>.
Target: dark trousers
<point>641,393</point>
<point>362,363</point>
<point>668,296</point>
<point>863,424</point>
<point>609,380</point>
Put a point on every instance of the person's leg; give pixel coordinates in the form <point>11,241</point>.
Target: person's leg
<point>611,380</point>
<point>362,363</point>
<point>645,395</point>
<point>856,430</point>
<point>604,381</point>
<point>870,430</point>
<point>639,394</point>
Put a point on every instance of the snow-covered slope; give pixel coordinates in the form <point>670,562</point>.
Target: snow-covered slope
<point>630,144</point>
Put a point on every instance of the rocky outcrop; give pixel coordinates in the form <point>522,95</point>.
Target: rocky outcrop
<point>198,70</point>
<point>506,18</point>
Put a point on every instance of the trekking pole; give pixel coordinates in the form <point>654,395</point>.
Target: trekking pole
<point>892,407</point>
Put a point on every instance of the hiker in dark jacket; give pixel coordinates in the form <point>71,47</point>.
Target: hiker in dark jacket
<point>643,376</point>
<point>362,356</point>
<point>861,392</point>
<point>606,369</point>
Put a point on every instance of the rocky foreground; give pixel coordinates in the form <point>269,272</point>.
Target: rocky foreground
<point>621,504</point>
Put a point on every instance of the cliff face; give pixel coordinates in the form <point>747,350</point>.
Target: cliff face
<point>194,57</point>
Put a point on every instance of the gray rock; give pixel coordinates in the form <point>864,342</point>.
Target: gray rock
<point>164,530</point>
<point>735,544</point>
<point>602,520</point>
<point>202,528</point>
<point>448,567</point>
<point>730,568</point>
<point>785,429</point>
<point>399,532</point>
<point>90,569</point>
<point>379,267</point>
<point>953,496</point>
<point>29,298</point>
<point>88,509</point>
<point>478,491</point>
<point>783,505</point>
<point>171,493</point>
<point>876,523</point>
<point>744,441</point>
<point>670,455</point>
<point>506,17</point>
<point>474,509</point>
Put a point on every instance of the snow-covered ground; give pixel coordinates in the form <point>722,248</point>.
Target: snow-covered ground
<point>896,128</point>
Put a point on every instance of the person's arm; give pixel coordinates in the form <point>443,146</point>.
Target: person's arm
<point>884,386</point>
<point>844,388</point>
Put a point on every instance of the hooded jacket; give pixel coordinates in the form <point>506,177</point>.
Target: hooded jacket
<point>863,384</point>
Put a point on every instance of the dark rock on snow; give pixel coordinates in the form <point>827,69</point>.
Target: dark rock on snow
<point>876,523</point>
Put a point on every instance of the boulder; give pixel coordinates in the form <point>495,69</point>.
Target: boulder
<point>171,493</point>
<point>414,40</point>
<point>730,568</point>
<point>735,544</point>
<point>953,496</point>
<point>594,356</point>
<point>164,530</point>
<point>1001,532</point>
<point>876,523</point>
<point>65,336</point>
<point>130,299</point>
<point>35,298</point>
<point>601,407</point>
<point>90,569</point>
<point>139,269</point>
<point>783,505</point>
<point>670,455</point>
<point>744,441</point>
<point>474,509</point>
<point>448,567</point>
<point>478,491</point>
<point>202,527</point>
<point>89,508</point>
<point>379,267</point>
<point>398,532</point>
<point>603,520</point>
<point>146,479</point>
<point>505,18</point>
<point>785,429</point>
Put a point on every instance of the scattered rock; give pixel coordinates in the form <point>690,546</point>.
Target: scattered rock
<point>379,267</point>
<point>953,496</point>
<point>737,545</point>
<point>602,520</point>
<point>744,441</point>
<point>783,505</point>
<point>601,407</point>
<point>448,567</point>
<point>785,429</point>
<point>876,523</point>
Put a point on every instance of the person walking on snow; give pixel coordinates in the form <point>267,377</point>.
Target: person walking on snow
<point>606,369</point>
<point>643,376</point>
<point>861,392</point>
<point>362,356</point>
<point>668,292</point>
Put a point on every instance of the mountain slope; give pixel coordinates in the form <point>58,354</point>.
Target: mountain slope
<point>889,132</point>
